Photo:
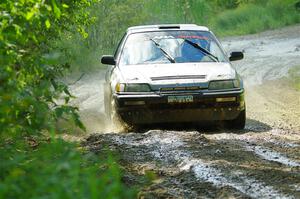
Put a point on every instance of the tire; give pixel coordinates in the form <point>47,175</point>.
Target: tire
<point>239,122</point>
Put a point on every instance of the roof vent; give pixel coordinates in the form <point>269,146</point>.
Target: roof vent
<point>169,27</point>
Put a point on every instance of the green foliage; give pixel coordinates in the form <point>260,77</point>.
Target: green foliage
<point>226,17</point>
<point>33,99</point>
<point>111,18</point>
<point>252,18</point>
<point>57,170</point>
<point>29,67</point>
<point>228,4</point>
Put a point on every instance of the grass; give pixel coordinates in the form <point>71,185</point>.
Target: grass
<point>57,169</point>
<point>253,18</point>
<point>246,18</point>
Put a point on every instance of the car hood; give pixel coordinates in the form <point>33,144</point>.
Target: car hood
<point>177,73</point>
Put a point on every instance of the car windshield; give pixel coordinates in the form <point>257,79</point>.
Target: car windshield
<point>163,46</point>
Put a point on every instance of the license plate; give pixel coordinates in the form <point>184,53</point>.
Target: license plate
<point>180,99</point>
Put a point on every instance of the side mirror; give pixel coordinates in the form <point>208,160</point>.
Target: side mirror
<point>234,56</point>
<point>108,59</point>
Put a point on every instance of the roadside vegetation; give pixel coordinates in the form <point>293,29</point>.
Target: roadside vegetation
<point>230,17</point>
<point>57,169</point>
<point>34,162</point>
<point>256,17</point>
<point>43,41</point>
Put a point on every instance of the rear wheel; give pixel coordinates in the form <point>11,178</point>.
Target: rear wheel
<point>239,122</point>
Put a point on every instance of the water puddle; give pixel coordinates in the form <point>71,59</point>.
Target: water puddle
<point>235,179</point>
<point>270,155</point>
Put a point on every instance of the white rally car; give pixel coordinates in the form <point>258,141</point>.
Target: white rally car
<point>173,73</point>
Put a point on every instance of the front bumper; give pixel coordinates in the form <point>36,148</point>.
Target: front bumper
<point>154,108</point>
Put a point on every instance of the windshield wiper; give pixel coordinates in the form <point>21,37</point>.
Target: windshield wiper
<point>169,57</point>
<point>206,52</point>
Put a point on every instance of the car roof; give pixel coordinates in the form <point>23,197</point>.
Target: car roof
<point>164,27</point>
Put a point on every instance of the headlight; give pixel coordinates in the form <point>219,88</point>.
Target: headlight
<point>224,84</point>
<point>132,88</point>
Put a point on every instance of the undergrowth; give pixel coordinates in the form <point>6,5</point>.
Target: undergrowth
<point>253,18</point>
<point>54,168</point>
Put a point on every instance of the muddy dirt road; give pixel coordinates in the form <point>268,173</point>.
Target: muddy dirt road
<point>262,161</point>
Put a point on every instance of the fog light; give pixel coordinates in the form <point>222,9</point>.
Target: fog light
<point>226,99</point>
<point>133,103</point>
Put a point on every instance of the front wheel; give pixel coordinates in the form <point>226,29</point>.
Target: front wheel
<point>239,122</point>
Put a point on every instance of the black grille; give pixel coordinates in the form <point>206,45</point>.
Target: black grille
<point>178,77</point>
<point>180,88</point>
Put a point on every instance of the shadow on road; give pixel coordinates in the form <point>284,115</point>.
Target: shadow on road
<point>207,127</point>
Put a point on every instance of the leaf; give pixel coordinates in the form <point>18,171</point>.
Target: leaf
<point>76,118</point>
<point>17,29</point>
<point>54,84</point>
<point>56,10</point>
<point>67,91</point>
<point>47,23</point>
<point>65,5</point>
<point>59,112</point>
<point>79,123</point>
<point>49,8</point>
<point>67,99</point>
<point>29,15</point>
<point>82,32</point>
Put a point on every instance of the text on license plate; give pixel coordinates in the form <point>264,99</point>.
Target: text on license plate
<point>180,99</point>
